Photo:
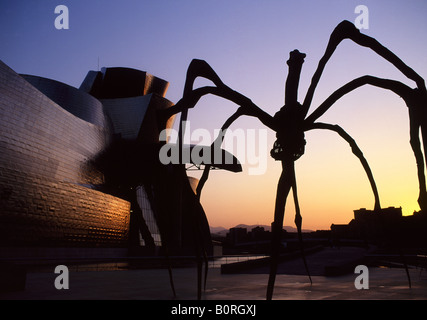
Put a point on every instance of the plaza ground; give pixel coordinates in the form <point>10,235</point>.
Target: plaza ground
<point>153,284</point>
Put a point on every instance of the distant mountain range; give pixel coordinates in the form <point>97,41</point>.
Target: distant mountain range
<point>221,231</point>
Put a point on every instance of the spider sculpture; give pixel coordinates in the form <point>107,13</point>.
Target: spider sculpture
<point>292,120</point>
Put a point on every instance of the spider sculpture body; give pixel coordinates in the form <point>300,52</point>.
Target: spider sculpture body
<point>291,121</point>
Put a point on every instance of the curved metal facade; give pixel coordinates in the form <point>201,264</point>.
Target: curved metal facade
<point>47,181</point>
<point>75,101</point>
<point>80,167</point>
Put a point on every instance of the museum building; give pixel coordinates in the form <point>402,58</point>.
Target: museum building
<point>79,168</point>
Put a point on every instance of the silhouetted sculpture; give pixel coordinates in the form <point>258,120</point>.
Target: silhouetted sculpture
<point>292,121</point>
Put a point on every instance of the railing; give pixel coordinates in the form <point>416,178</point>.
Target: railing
<point>125,263</point>
<point>218,261</point>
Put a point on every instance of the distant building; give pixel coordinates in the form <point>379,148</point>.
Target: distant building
<point>385,226</point>
<point>237,235</point>
<point>387,214</point>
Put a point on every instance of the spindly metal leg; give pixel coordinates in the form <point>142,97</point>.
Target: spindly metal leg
<point>170,272</point>
<point>357,152</point>
<point>283,188</point>
<point>298,222</point>
<point>199,276</point>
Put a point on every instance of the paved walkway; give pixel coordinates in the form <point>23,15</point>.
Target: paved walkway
<point>384,283</point>
<point>320,261</point>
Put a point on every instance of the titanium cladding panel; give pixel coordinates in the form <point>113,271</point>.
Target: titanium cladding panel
<point>47,194</point>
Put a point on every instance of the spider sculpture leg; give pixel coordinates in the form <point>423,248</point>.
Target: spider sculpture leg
<point>207,168</point>
<point>416,148</point>
<point>416,99</point>
<point>163,235</point>
<point>298,223</point>
<point>357,152</point>
<point>283,187</point>
<point>189,100</point>
<point>194,215</point>
<point>218,141</point>
<point>196,68</point>
<point>287,181</point>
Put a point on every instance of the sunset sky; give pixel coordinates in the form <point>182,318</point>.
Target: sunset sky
<point>247,43</point>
